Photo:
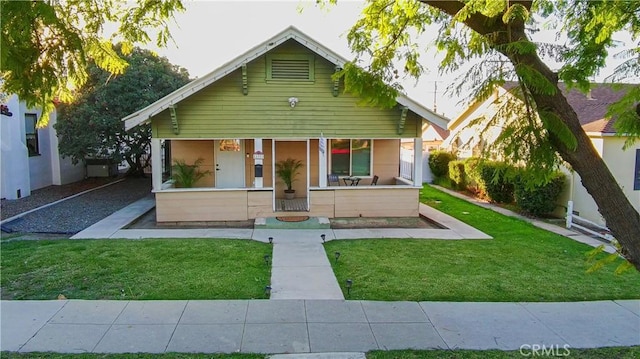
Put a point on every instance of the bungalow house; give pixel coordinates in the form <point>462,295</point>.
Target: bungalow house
<point>29,156</point>
<point>466,141</point>
<point>278,101</point>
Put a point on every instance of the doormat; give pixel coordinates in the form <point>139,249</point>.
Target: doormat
<point>293,218</point>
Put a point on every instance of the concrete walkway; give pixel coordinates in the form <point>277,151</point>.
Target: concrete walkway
<point>303,326</point>
<point>300,268</point>
<point>114,226</point>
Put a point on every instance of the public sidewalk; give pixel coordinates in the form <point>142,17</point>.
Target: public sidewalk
<point>316,326</point>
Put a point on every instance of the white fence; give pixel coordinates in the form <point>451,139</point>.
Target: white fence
<point>586,225</point>
<point>406,164</point>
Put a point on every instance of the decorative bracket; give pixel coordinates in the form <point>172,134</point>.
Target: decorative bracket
<point>336,81</point>
<point>245,82</point>
<point>402,120</point>
<point>174,119</point>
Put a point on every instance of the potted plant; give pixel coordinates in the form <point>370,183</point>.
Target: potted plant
<point>287,170</point>
<point>185,175</point>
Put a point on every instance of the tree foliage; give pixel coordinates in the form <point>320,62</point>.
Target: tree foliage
<point>492,40</point>
<point>91,126</point>
<point>47,45</point>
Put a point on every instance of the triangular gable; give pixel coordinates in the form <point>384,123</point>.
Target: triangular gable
<point>291,32</point>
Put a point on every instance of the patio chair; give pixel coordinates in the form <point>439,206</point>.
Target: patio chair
<point>333,178</point>
<point>374,181</point>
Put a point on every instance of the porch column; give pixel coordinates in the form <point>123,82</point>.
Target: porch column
<point>156,164</point>
<point>258,155</point>
<point>417,162</point>
<point>322,162</point>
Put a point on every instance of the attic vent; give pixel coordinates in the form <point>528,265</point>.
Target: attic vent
<point>290,69</point>
<point>298,68</point>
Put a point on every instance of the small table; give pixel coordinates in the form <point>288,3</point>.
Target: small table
<point>353,181</point>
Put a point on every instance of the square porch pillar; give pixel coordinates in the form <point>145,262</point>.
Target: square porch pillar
<point>156,164</point>
<point>258,155</point>
<point>322,162</point>
<point>417,162</point>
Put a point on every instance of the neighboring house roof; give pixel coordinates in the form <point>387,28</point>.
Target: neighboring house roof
<point>439,131</point>
<point>443,133</point>
<point>291,32</point>
<point>592,107</point>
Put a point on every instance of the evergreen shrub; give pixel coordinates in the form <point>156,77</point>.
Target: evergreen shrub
<point>498,184</point>
<point>473,178</point>
<point>439,162</point>
<point>457,174</point>
<point>539,199</point>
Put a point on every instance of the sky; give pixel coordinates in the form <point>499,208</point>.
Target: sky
<point>211,33</point>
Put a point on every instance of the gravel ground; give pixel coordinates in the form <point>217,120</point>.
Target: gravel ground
<point>40,197</point>
<point>76,214</point>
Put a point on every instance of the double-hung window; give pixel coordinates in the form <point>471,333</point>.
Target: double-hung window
<point>351,157</point>
<point>31,133</point>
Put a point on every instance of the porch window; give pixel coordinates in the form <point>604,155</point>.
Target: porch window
<point>351,157</point>
<point>31,133</point>
<point>229,145</point>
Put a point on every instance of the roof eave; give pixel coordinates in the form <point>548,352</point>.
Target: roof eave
<point>145,114</point>
<point>422,111</point>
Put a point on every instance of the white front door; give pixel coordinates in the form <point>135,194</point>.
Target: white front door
<point>229,159</point>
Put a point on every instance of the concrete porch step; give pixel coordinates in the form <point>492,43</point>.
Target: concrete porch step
<point>275,223</point>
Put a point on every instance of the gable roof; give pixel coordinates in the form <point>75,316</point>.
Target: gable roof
<point>592,107</point>
<point>442,132</point>
<point>143,115</point>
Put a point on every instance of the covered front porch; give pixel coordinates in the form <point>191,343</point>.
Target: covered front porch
<point>242,184</point>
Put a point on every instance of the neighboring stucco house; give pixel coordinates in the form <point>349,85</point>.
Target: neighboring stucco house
<point>278,100</point>
<point>591,109</point>
<point>433,136</point>
<point>29,156</point>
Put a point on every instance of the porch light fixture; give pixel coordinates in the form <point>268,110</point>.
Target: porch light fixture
<point>266,259</point>
<point>323,237</point>
<point>349,284</point>
<point>270,240</point>
<point>337,256</point>
<point>293,101</point>
<point>267,291</point>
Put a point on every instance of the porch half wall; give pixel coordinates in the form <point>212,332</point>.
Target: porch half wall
<point>238,205</point>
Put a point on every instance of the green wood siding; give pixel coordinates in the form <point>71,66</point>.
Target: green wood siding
<point>222,111</point>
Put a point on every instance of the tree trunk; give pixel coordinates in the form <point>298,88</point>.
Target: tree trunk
<point>135,167</point>
<point>621,217</point>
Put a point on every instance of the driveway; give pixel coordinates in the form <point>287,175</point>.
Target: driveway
<point>74,215</point>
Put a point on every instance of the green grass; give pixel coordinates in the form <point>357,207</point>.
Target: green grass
<point>597,353</point>
<point>521,263</point>
<point>134,269</point>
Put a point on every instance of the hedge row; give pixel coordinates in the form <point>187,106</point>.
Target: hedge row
<point>497,182</point>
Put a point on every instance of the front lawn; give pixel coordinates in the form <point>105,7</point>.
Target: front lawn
<point>134,269</point>
<point>521,263</point>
